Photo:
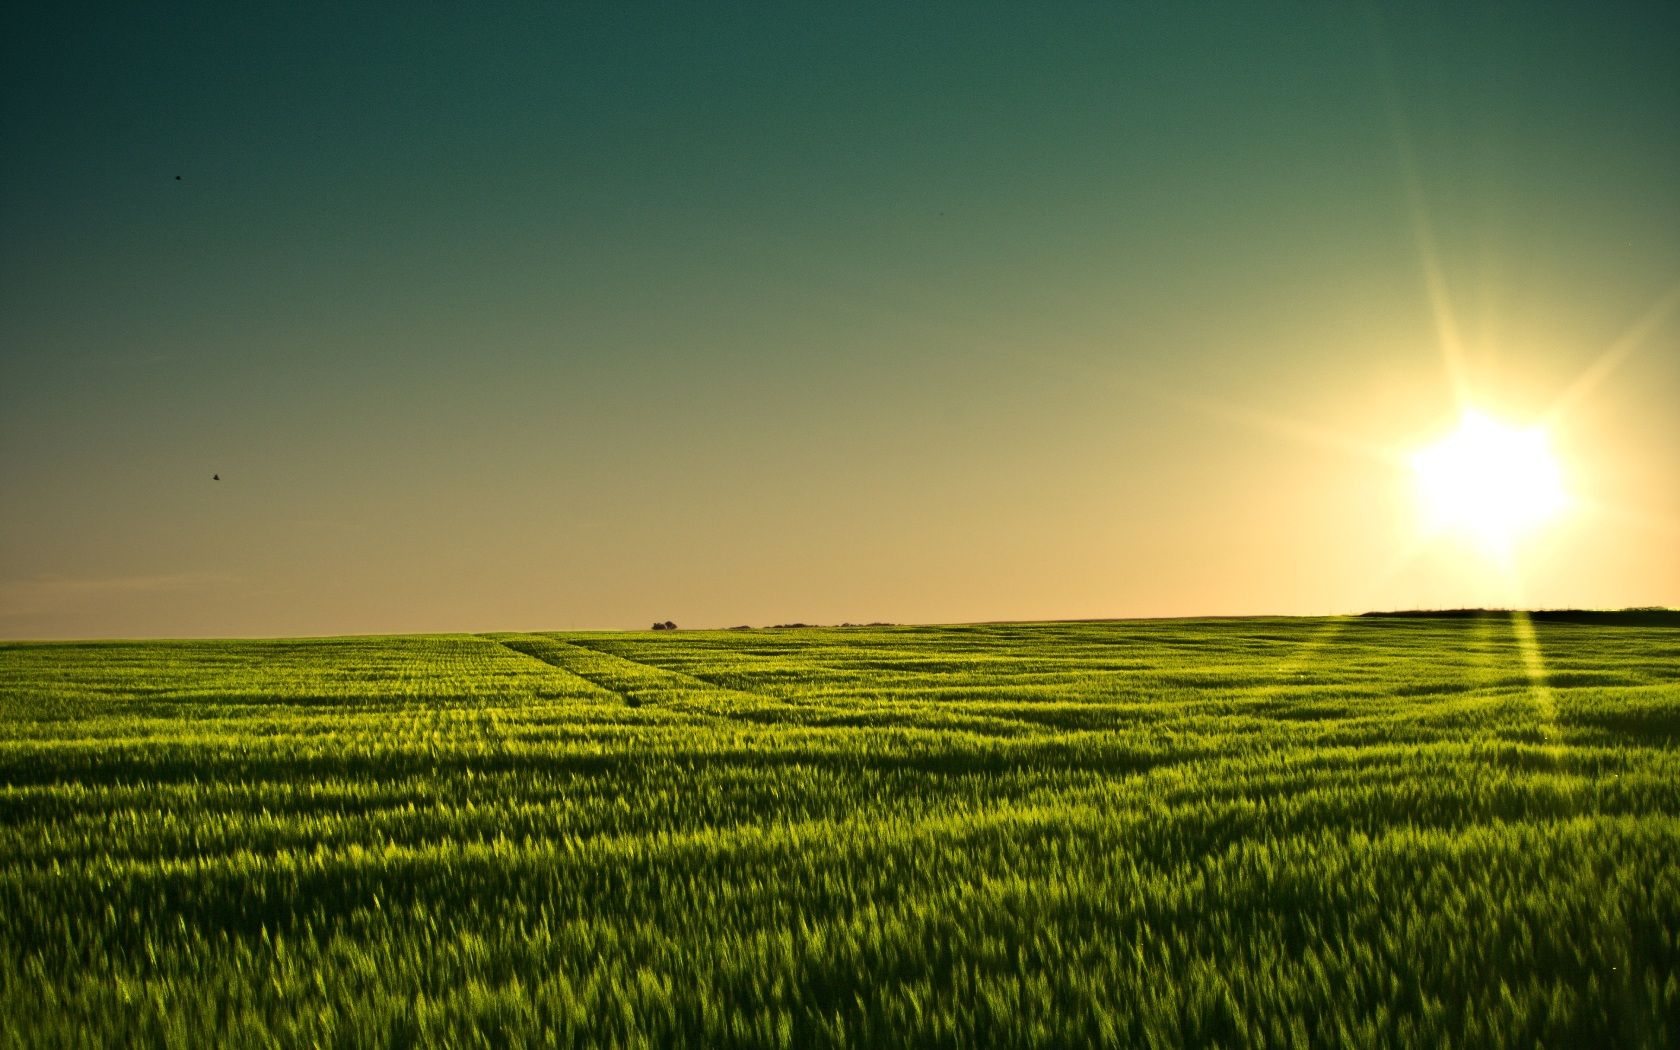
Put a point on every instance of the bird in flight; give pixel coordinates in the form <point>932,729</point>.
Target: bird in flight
<point>215,477</point>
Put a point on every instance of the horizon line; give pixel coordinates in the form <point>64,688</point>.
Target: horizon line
<point>1662,614</point>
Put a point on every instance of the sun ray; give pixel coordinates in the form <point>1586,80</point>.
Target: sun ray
<point>1545,707</point>
<point>1534,667</point>
<point>1527,641</point>
<point>1435,284</point>
<point>1447,334</point>
<point>1623,347</point>
<point>1296,430</point>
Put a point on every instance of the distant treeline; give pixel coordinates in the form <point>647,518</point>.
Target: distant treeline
<point>1648,616</point>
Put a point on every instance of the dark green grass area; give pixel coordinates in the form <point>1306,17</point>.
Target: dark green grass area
<point>1363,832</point>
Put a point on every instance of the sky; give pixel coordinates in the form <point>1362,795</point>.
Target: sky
<point>554,316</point>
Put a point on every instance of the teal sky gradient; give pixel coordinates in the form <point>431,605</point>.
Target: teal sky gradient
<point>558,316</point>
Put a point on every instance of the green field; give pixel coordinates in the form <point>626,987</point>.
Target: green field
<point>1262,832</point>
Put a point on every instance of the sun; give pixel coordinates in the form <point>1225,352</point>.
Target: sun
<point>1490,479</point>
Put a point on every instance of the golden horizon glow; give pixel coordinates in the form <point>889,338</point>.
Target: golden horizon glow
<point>1490,479</point>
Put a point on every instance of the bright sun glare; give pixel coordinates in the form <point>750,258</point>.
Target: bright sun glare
<point>1494,480</point>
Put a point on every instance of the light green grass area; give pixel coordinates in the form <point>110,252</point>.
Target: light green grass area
<point>1263,832</point>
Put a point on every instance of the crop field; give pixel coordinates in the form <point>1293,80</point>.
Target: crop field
<point>1263,832</point>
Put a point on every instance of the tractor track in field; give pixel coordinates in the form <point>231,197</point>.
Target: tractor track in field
<point>632,681</point>
<point>537,648</point>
